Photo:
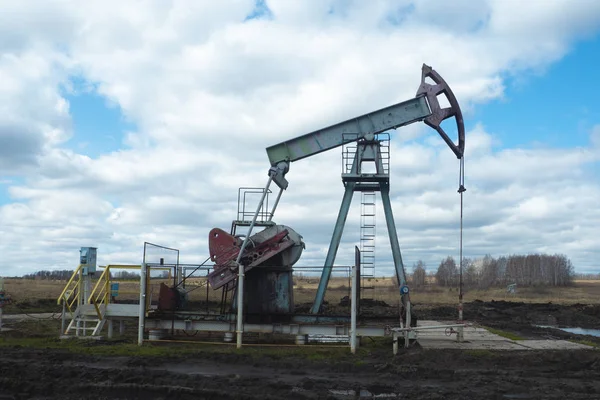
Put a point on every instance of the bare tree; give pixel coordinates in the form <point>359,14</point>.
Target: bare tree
<point>489,272</point>
<point>447,272</point>
<point>470,273</point>
<point>419,274</point>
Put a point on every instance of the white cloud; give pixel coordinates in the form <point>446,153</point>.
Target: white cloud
<point>209,91</point>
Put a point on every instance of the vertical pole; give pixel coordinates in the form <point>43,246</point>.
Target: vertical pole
<point>333,247</point>
<point>353,311</point>
<point>407,333</point>
<point>63,319</point>
<point>240,289</point>
<point>460,284</point>
<point>121,327</point>
<point>395,342</point>
<point>110,328</point>
<point>393,235</point>
<point>142,314</point>
<point>461,190</point>
<point>79,300</point>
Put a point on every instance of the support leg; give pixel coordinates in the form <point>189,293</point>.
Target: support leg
<point>333,247</point>
<point>353,311</point>
<point>391,226</point>
<point>63,319</point>
<point>407,333</point>
<point>121,327</point>
<point>110,328</point>
<point>142,313</point>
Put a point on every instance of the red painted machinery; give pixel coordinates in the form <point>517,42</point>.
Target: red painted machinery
<point>268,259</point>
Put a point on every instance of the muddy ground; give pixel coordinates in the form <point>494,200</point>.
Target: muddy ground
<point>49,373</point>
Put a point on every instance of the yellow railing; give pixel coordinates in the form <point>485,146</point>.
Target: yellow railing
<point>101,292</point>
<point>70,294</point>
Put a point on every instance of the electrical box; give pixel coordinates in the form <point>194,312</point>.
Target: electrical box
<point>87,259</point>
<point>114,289</point>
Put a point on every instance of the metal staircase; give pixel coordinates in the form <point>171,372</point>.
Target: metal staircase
<point>367,243</point>
<point>90,308</point>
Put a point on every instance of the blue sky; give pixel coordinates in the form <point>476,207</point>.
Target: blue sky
<point>556,107</point>
<point>98,125</point>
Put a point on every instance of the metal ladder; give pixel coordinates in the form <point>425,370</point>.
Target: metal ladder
<point>85,322</point>
<point>367,244</point>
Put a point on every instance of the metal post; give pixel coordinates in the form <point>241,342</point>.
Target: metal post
<point>395,341</point>
<point>333,247</point>
<point>110,328</point>
<point>121,327</point>
<point>276,203</point>
<point>142,314</point>
<point>80,295</point>
<point>353,311</point>
<point>460,284</point>
<point>461,190</point>
<point>407,333</point>
<point>240,289</point>
<point>63,319</point>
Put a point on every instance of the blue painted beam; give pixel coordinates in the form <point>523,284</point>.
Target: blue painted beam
<point>333,247</point>
<point>382,120</point>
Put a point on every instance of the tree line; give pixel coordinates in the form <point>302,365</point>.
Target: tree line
<point>65,274</point>
<point>524,270</point>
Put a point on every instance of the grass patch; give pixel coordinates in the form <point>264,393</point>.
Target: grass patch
<point>586,342</point>
<point>481,353</point>
<point>117,348</point>
<point>504,334</point>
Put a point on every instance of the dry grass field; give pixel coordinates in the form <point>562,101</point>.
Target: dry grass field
<point>585,291</point>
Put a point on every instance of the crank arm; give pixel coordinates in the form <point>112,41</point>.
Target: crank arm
<point>439,114</point>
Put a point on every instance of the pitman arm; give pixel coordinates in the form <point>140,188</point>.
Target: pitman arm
<point>425,107</point>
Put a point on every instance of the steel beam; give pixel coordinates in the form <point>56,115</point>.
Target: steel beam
<point>333,247</point>
<point>382,120</point>
<point>393,235</point>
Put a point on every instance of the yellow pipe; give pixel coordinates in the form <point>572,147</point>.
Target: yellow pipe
<point>76,273</point>
<point>123,266</point>
<point>107,287</point>
<point>97,284</point>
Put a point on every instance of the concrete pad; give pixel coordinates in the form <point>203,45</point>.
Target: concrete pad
<point>477,338</point>
<point>553,345</point>
<point>470,345</point>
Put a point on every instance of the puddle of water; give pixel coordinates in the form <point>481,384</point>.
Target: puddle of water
<point>577,331</point>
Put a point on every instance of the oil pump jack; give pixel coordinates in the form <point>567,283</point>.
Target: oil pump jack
<point>279,245</point>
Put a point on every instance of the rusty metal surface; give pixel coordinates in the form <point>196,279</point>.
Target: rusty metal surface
<point>265,246</point>
<point>439,114</point>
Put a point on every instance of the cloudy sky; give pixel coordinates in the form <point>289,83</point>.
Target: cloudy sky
<point>130,121</point>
